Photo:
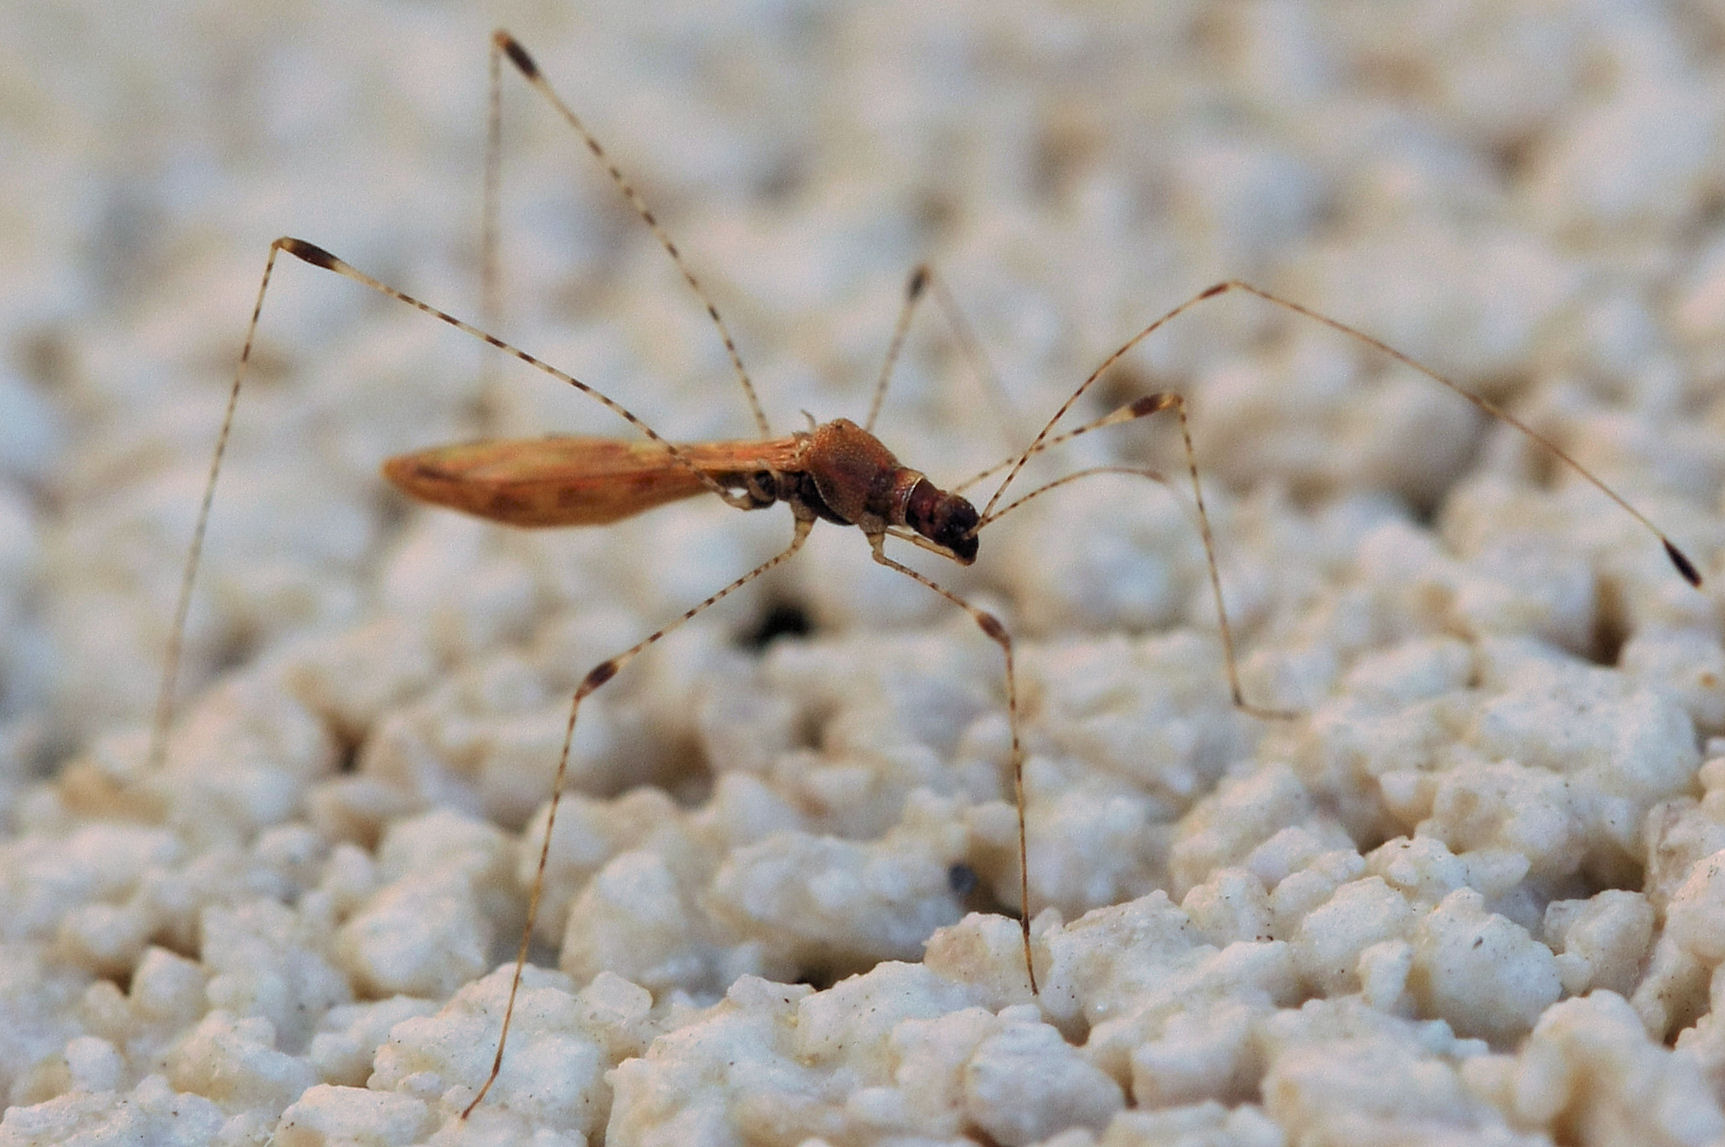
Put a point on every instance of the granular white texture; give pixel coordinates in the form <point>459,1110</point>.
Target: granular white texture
<point>1471,891</point>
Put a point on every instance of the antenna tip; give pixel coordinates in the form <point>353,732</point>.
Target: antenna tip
<point>1683,564</point>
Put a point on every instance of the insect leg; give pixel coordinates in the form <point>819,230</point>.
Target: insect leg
<point>1143,408</point>
<point>164,715</point>
<point>1684,566</point>
<point>318,257</point>
<point>997,633</point>
<point>590,684</point>
<point>926,281</point>
<point>505,45</point>
<point>912,294</point>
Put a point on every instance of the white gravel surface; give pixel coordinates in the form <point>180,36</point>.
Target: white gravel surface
<point>1472,894</point>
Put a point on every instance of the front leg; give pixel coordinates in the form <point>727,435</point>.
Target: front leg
<point>996,633</point>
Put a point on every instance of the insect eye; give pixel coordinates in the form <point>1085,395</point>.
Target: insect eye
<point>955,524</point>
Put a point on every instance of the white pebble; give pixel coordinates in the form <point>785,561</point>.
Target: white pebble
<point>1480,971</point>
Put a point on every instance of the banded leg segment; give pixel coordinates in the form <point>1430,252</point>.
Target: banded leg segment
<point>318,257</point>
<point>164,715</point>
<point>597,676</point>
<point>913,292</point>
<point>1684,566</point>
<point>1144,407</point>
<point>506,46</point>
<point>925,282</point>
<point>996,632</point>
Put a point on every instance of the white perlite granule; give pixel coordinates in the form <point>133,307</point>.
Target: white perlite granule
<point>1474,892</point>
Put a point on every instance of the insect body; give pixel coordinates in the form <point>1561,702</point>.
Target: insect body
<point>837,471</point>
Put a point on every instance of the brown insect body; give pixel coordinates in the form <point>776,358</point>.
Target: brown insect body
<point>837,471</point>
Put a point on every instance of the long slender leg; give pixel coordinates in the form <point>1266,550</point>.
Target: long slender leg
<point>590,684</point>
<point>490,274</point>
<point>1678,558</point>
<point>999,402</point>
<point>503,42</point>
<point>912,294</point>
<point>1137,408</point>
<point>484,403</point>
<point>1141,408</point>
<point>925,281</point>
<point>164,715</point>
<point>990,625</point>
<point>318,257</point>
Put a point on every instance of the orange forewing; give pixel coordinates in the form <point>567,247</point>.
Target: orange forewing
<point>575,481</point>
